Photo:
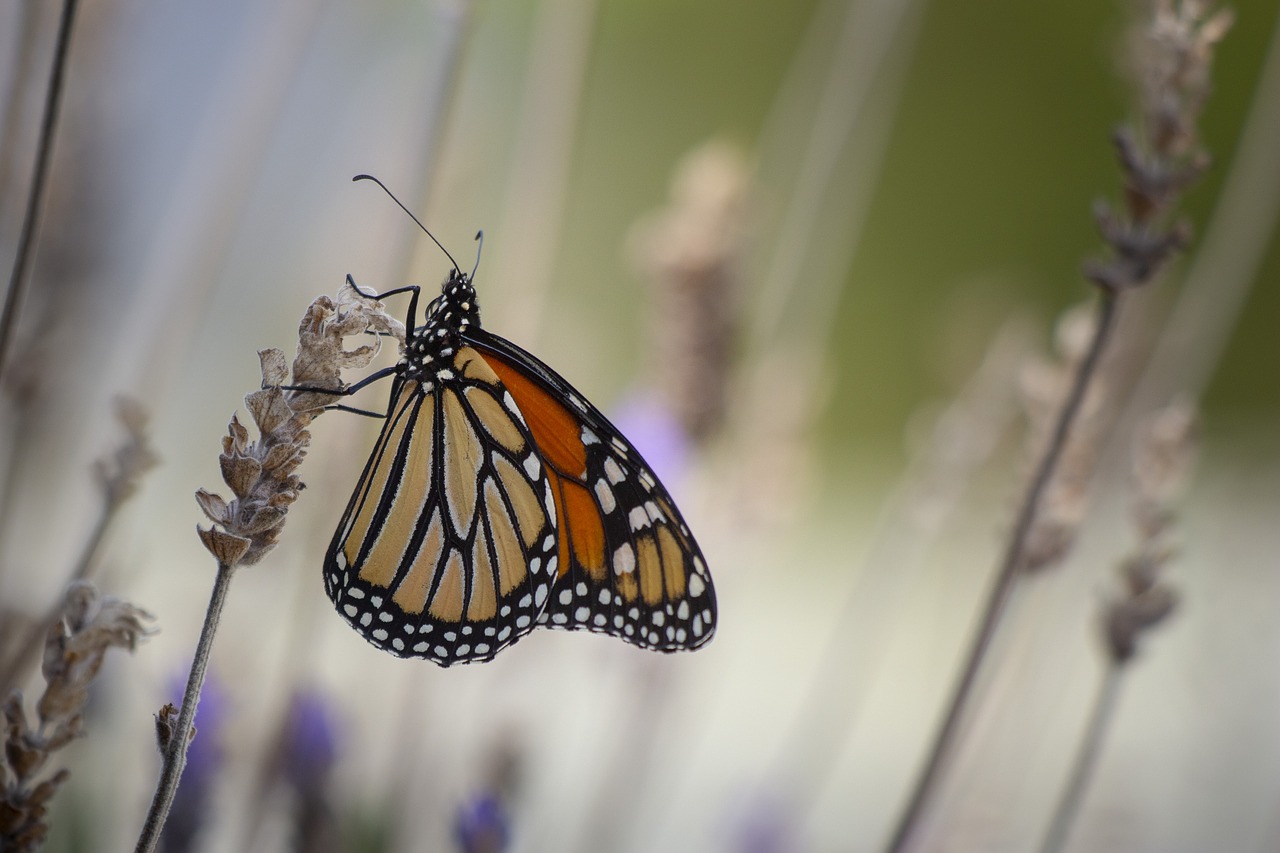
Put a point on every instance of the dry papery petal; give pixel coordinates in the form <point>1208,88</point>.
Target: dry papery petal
<point>274,365</point>
<point>226,548</point>
<point>214,507</point>
<point>240,473</point>
<point>321,355</point>
<point>268,409</point>
<point>261,518</point>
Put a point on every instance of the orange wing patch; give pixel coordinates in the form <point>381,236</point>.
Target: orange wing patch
<point>555,428</point>
<point>581,519</point>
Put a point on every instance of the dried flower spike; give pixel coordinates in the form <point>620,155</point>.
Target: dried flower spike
<point>89,625</point>
<point>692,252</point>
<point>120,473</point>
<point>1043,385</point>
<point>261,474</point>
<point>1164,452</point>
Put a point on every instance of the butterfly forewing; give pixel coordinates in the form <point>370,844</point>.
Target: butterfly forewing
<point>447,549</point>
<point>628,565</point>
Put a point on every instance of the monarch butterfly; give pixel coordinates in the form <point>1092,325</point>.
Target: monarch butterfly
<point>497,499</point>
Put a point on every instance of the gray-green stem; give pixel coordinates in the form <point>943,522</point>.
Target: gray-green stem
<point>174,754</point>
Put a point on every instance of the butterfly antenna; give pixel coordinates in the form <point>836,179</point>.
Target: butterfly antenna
<point>479,249</point>
<point>411,216</point>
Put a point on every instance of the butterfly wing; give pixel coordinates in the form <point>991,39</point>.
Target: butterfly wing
<point>447,549</point>
<point>628,565</point>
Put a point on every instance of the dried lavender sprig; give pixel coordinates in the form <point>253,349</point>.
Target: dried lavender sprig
<point>261,476</point>
<point>691,254</point>
<point>1174,69</point>
<point>1164,453</point>
<point>87,626</point>
<point>119,476</point>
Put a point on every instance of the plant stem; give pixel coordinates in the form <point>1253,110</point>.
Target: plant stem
<point>1006,578</point>
<point>35,198</point>
<point>1086,759</point>
<point>16,667</point>
<point>175,752</point>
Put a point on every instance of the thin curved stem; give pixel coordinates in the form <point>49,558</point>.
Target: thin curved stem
<point>35,198</point>
<point>1086,762</point>
<point>24,660</point>
<point>175,750</point>
<point>1006,579</point>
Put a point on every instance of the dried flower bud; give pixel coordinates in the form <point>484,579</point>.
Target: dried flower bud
<point>213,506</point>
<point>166,727</point>
<point>1126,619</point>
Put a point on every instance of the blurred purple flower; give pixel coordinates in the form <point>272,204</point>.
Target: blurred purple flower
<point>481,825</point>
<point>763,827</point>
<point>204,759</point>
<point>310,743</point>
<point>307,751</point>
<point>653,429</point>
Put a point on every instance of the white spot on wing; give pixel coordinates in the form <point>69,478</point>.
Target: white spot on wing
<point>512,407</point>
<point>624,560</point>
<point>655,514</point>
<point>605,495</point>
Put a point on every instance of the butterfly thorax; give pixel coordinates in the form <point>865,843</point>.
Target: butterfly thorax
<point>430,349</point>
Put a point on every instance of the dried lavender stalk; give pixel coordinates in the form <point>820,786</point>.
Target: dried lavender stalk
<point>1164,453</point>
<point>87,626</point>
<point>119,477</point>
<point>264,484</point>
<point>1173,53</point>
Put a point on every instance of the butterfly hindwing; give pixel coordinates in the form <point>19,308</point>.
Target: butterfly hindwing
<point>447,549</point>
<point>629,566</point>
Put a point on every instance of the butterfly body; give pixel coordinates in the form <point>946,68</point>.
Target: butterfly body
<point>498,499</point>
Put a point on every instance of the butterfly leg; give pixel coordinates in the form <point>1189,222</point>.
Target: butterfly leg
<point>338,407</point>
<point>343,392</point>
<point>408,288</point>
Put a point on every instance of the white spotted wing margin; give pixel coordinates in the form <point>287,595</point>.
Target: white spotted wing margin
<point>447,549</point>
<point>652,588</point>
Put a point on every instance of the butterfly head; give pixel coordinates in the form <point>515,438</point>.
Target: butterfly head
<point>455,308</point>
<point>433,344</point>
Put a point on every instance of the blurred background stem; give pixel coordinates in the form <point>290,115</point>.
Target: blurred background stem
<point>1005,582</point>
<point>21,272</point>
<point>1086,758</point>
